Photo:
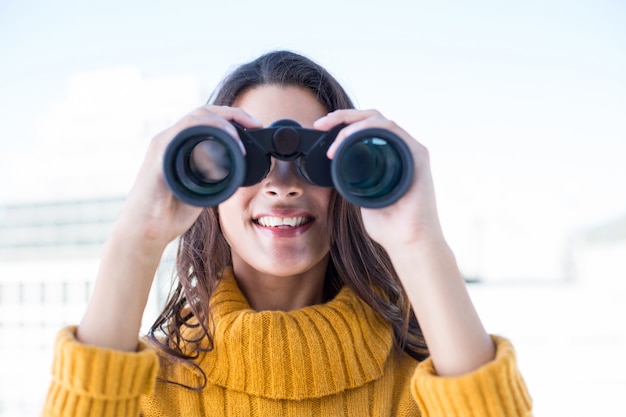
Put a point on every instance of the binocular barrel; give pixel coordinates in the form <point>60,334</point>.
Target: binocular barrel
<point>203,165</point>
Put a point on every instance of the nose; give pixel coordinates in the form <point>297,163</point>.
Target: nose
<point>282,180</point>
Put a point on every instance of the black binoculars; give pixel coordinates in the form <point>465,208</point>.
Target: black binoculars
<point>204,165</point>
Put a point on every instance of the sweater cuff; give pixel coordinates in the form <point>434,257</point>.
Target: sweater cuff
<point>495,389</point>
<point>89,378</point>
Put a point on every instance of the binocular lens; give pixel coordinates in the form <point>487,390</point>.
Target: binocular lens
<point>372,168</point>
<point>205,168</point>
<point>210,162</point>
<point>200,166</point>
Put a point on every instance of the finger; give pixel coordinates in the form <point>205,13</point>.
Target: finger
<point>219,117</point>
<point>226,115</point>
<point>345,116</point>
<point>371,122</point>
<point>237,115</point>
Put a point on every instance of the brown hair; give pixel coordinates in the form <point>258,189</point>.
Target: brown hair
<point>355,259</point>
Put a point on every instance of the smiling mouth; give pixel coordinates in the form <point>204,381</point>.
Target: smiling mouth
<point>282,222</point>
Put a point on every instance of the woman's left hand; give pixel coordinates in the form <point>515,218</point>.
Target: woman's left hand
<point>413,219</point>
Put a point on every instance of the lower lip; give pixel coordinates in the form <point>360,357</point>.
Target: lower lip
<point>286,232</point>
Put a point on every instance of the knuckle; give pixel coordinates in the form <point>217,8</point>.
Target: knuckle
<point>388,124</point>
<point>423,154</point>
<point>192,119</point>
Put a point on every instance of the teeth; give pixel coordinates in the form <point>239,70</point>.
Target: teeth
<point>281,221</point>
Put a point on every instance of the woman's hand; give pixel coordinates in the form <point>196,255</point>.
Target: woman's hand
<point>413,218</point>
<point>151,210</point>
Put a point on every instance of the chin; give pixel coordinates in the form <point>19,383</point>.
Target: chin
<point>287,270</point>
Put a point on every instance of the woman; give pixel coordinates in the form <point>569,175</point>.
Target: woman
<point>290,300</point>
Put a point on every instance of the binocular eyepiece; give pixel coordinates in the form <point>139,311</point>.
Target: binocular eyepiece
<point>203,165</point>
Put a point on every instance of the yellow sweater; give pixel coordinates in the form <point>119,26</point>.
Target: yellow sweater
<point>333,359</point>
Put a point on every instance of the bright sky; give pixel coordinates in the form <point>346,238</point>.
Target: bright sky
<point>521,104</point>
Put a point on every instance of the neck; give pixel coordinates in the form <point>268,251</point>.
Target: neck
<point>281,293</point>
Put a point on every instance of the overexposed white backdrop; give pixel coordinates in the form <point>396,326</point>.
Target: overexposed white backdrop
<point>522,106</point>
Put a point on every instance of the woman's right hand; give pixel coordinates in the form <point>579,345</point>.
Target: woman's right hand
<point>151,210</point>
<point>150,219</point>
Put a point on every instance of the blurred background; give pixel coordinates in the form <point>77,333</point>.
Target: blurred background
<point>521,104</point>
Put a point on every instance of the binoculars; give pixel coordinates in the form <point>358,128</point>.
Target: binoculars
<point>204,165</point>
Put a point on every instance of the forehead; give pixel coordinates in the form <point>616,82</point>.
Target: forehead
<point>269,103</point>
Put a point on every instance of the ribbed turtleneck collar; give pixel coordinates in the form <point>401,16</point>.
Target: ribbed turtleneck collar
<point>312,352</point>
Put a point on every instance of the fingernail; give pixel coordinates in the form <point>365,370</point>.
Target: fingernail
<point>330,153</point>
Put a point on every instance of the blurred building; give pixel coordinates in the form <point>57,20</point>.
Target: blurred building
<point>48,262</point>
<point>599,254</point>
<point>61,192</point>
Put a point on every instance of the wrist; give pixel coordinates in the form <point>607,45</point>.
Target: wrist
<point>145,241</point>
<point>427,265</point>
<point>127,267</point>
<point>424,247</point>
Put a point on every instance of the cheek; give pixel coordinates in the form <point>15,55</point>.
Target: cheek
<point>231,215</point>
<point>224,221</point>
<point>323,197</point>
<point>237,208</point>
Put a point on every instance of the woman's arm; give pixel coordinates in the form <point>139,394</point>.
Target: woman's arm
<point>150,219</point>
<point>456,339</point>
<point>411,233</point>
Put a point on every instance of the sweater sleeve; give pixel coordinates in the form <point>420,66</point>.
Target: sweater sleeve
<point>495,389</point>
<point>94,381</point>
